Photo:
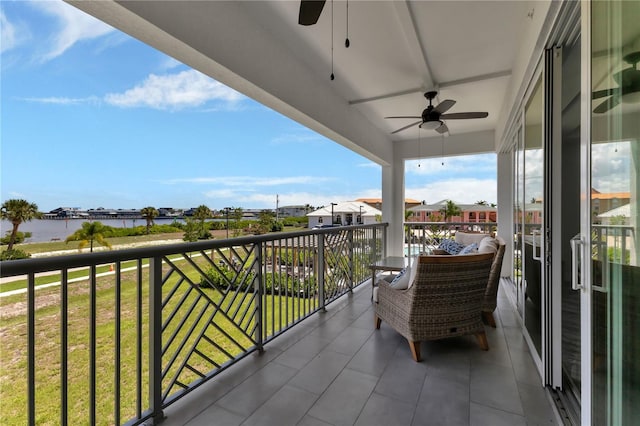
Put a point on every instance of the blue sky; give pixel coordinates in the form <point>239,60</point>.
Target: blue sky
<point>93,118</point>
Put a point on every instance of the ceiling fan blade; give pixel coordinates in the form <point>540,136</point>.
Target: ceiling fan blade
<point>406,127</point>
<point>607,105</point>
<point>464,115</point>
<point>406,116</point>
<point>310,11</point>
<point>444,106</point>
<point>442,129</point>
<point>602,93</point>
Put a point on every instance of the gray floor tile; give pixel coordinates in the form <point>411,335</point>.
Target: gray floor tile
<point>524,368</point>
<point>481,415</point>
<point>258,388</point>
<point>403,377</point>
<point>537,408</point>
<point>350,340</point>
<point>454,367</point>
<point>302,352</point>
<point>442,402</point>
<point>343,401</point>
<point>494,385</point>
<point>216,415</point>
<point>286,407</point>
<point>373,356</point>
<point>312,421</point>
<point>381,410</point>
<point>320,372</point>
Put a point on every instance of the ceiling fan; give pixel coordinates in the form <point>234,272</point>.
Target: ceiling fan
<point>310,11</point>
<point>628,89</point>
<point>432,117</point>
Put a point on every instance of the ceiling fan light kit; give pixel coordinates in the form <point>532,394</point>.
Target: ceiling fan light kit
<point>431,125</point>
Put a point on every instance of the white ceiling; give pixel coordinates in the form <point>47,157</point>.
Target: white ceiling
<point>470,51</point>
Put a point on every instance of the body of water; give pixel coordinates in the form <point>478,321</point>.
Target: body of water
<point>53,230</point>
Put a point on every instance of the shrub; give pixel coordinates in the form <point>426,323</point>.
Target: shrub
<point>20,237</point>
<point>224,279</point>
<point>14,254</point>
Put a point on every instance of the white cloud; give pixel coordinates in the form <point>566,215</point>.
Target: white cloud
<point>63,101</point>
<point>464,191</point>
<point>250,181</point>
<point>8,34</point>
<point>611,166</point>
<point>75,26</point>
<point>296,138</point>
<point>369,165</point>
<point>174,91</point>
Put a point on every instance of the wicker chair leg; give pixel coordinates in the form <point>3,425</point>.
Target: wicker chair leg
<point>415,350</point>
<point>482,341</point>
<point>378,321</point>
<point>487,318</point>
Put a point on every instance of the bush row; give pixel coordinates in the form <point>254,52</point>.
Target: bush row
<point>274,283</point>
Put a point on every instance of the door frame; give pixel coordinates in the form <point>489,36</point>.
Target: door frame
<point>584,286</point>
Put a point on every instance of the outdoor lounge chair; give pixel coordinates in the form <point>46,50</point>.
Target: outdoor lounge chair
<point>491,294</point>
<point>444,300</point>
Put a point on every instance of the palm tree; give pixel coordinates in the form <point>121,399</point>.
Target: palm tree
<point>449,210</point>
<point>201,213</point>
<point>481,203</point>
<point>90,232</point>
<point>148,214</point>
<point>17,211</point>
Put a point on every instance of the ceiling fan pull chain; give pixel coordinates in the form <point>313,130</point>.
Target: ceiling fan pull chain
<point>347,43</point>
<point>442,157</point>
<point>419,147</point>
<point>333,77</point>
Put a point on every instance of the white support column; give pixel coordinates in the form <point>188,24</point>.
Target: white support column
<point>505,209</point>
<point>393,205</point>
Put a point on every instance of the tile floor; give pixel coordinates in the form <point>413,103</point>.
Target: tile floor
<point>337,369</point>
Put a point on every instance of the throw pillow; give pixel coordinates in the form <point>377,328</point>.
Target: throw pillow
<point>450,246</point>
<point>488,245</point>
<point>401,281</point>
<point>466,238</point>
<point>471,248</point>
<point>414,271</point>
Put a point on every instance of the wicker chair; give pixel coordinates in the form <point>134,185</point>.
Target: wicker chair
<point>445,300</point>
<point>491,294</point>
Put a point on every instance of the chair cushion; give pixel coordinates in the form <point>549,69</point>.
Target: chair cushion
<point>471,248</point>
<point>488,245</point>
<point>401,281</point>
<point>466,238</point>
<point>450,246</point>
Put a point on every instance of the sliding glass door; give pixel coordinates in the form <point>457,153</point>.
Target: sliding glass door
<point>608,273</point>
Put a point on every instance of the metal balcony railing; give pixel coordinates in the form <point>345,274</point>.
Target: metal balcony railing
<point>116,337</point>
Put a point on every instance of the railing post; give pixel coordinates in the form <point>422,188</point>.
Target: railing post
<point>31,349</point>
<point>258,286</point>
<point>351,262</point>
<point>155,339</point>
<point>321,271</point>
<point>384,242</point>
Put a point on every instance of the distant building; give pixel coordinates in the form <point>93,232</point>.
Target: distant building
<point>376,203</point>
<point>293,211</point>
<point>604,202</point>
<point>66,213</point>
<point>345,213</point>
<point>469,213</point>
